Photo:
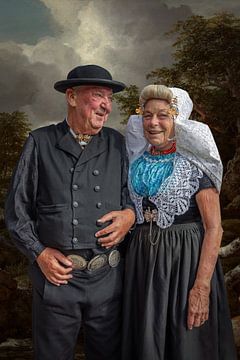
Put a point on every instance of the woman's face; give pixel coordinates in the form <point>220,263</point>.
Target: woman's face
<point>158,124</point>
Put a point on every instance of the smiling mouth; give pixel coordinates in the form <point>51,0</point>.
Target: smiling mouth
<point>156,132</point>
<point>101,113</point>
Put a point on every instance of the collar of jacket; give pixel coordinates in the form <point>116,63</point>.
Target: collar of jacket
<point>67,143</point>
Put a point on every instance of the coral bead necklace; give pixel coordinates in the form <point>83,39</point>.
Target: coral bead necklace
<point>155,151</point>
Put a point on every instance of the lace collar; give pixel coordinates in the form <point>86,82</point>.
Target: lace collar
<point>174,194</point>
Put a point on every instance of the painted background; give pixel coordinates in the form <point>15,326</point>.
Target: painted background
<point>41,40</point>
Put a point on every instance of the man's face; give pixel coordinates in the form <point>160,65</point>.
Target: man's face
<point>92,106</point>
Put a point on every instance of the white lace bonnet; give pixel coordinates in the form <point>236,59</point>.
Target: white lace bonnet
<point>194,139</point>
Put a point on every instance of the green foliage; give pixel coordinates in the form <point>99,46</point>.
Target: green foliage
<point>127,101</point>
<point>207,62</point>
<point>14,128</point>
<point>19,268</point>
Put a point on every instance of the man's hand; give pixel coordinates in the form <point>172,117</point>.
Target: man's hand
<point>198,306</point>
<point>55,266</point>
<point>114,233</point>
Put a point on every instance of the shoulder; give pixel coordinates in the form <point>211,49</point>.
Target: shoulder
<point>139,160</point>
<point>134,122</point>
<point>112,133</point>
<point>204,179</point>
<point>49,131</point>
<point>205,183</point>
<point>43,131</point>
<point>134,126</point>
<point>114,140</point>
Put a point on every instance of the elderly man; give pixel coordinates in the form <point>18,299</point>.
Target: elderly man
<point>67,209</point>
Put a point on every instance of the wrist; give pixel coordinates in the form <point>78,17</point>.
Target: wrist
<point>203,284</point>
<point>130,213</point>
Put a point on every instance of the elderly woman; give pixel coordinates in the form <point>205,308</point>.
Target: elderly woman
<point>175,305</point>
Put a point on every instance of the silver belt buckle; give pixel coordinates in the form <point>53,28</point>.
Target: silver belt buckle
<point>78,261</point>
<point>114,258</point>
<point>97,262</point>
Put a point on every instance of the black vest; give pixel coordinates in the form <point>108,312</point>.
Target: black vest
<point>76,187</point>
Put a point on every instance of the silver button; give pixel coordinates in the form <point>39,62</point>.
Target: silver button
<point>99,205</point>
<point>75,204</point>
<point>75,240</point>
<point>97,188</point>
<point>75,186</point>
<point>75,222</point>
<point>72,170</point>
<point>95,172</point>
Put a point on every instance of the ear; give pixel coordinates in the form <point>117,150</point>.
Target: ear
<point>71,97</point>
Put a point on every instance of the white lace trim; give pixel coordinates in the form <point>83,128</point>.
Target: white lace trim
<point>173,197</point>
<point>195,141</point>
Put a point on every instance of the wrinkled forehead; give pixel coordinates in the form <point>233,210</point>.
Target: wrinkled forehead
<point>91,88</point>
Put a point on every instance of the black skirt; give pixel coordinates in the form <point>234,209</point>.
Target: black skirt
<point>160,272</point>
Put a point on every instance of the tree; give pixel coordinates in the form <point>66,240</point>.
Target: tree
<point>127,101</point>
<point>207,62</point>
<point>14,128</point>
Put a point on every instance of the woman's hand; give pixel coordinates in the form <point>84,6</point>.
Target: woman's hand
<point>198,306</point>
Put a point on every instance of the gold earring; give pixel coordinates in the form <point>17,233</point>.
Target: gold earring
<point>139,110</point>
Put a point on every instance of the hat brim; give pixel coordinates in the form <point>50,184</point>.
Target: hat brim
<point>63,85</point>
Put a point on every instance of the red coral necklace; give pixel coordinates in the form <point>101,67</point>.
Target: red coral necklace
<point>155,151</point>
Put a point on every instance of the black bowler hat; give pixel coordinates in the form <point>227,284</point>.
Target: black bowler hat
<point>89,75</point>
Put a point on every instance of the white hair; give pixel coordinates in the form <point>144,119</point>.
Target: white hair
<point>161,92</point>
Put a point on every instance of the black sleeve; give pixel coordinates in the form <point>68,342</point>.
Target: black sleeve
<point>205,183</point>
<point>20,206</point>
<point>125,197</point>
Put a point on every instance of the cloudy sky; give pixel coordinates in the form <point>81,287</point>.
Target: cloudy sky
<point>41,40</point>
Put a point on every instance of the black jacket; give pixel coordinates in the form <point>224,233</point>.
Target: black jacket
<point>59,191</point>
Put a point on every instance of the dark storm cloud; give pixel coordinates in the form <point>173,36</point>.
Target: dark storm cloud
<point>25,21</point>
<point>139,29</point>
<point>18,85</point>
<point>143,20</point>
<point>127,37</point>
<point>28,87</point>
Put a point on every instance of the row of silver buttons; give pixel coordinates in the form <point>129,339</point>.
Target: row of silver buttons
<point>75,187</point>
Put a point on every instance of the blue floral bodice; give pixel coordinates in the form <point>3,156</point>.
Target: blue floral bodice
<point>168,181</point>
<point>148,173</point>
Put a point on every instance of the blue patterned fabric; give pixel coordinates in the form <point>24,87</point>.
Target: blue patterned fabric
<point>148,172</point>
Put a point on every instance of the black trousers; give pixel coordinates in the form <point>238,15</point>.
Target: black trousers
<point>92,299</point>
